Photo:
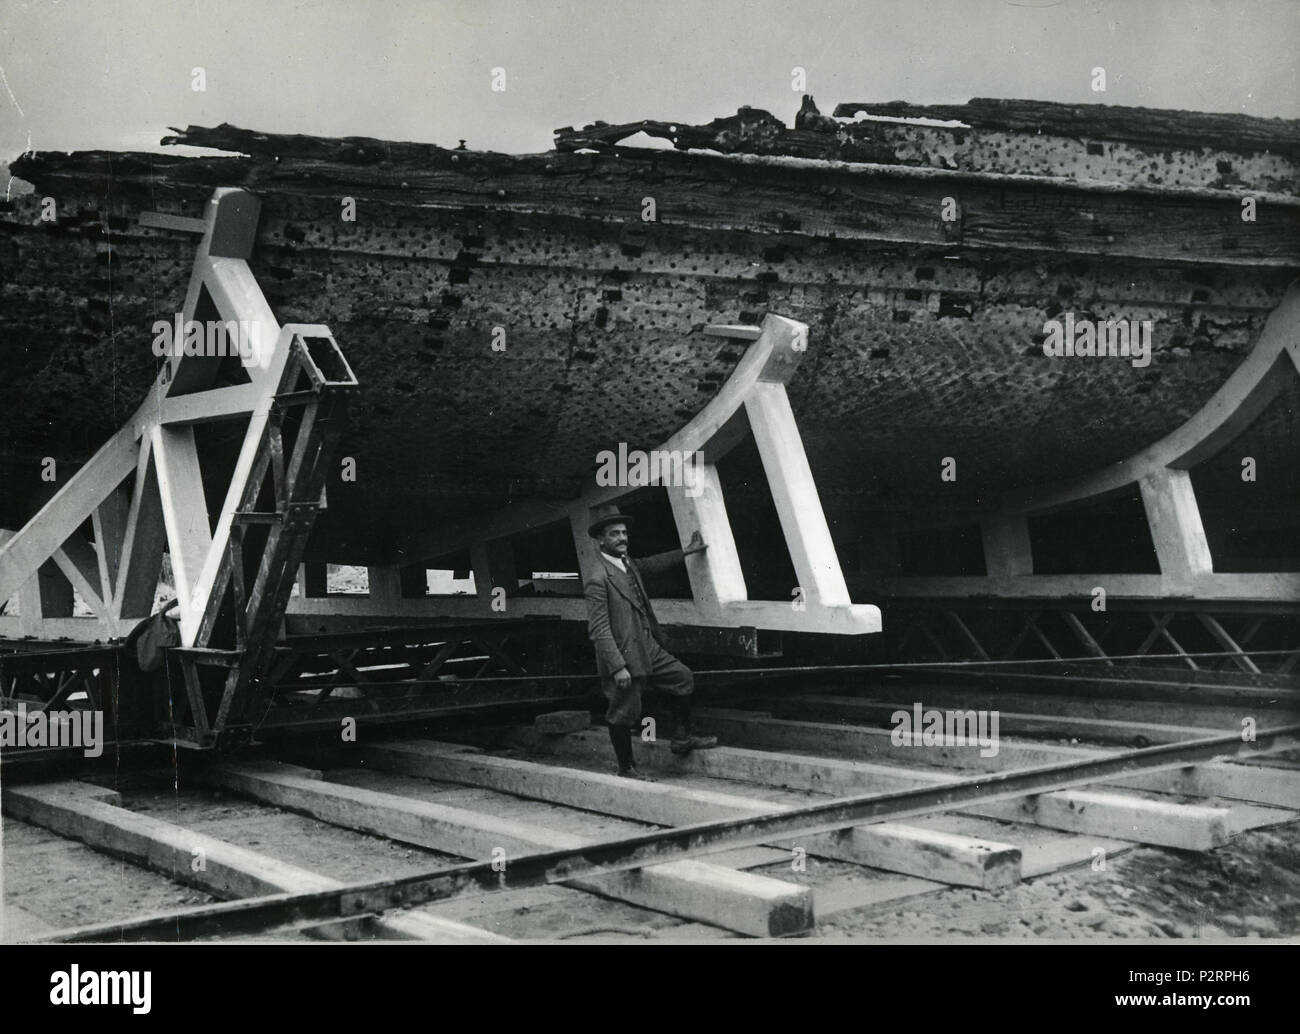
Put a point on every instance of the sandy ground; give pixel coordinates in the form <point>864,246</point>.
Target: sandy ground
<point>1248,888</point>
<point>52,883</point>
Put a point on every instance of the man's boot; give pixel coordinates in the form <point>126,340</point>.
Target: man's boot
<point>684,741</point>
<point>620,736</point>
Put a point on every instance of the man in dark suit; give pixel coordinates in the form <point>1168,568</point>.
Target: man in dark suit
<point>629,650</point>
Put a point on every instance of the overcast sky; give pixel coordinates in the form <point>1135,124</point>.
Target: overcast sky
<point>116,73</point>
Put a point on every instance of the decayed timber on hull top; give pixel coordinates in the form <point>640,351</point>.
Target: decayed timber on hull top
<point>924,256</point>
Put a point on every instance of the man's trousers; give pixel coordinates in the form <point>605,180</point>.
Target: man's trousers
<point>667,675</point>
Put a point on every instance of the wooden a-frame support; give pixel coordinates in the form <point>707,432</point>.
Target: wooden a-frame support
<point>143,490</point>
<point>753,400</point>
<point>1162,473</point>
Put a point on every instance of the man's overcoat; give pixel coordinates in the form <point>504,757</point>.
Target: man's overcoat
<point>620,619</point>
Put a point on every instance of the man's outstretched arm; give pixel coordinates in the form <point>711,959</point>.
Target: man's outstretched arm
<point>660,562</point>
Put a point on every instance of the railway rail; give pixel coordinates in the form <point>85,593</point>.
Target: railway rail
<point>502,828</point>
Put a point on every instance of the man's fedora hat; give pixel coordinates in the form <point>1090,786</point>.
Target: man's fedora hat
<point>603,515</point>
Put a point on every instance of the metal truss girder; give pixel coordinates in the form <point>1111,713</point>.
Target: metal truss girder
<point>1202,640</point>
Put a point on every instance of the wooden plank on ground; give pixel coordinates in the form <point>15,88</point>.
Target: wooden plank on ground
<point>1112,815</point>
<point>1181,709</point>
<point>1191,827</point>
<point>887,845</point>
<point>1243,782</point>
<point>1042,850</point>
<point>750,857</point>
<point>229,871</point>
<point>751,729</point>
<point>930,854</point>
<point>1071,851</point>
<point>353,928</point>
<point>1242,817</point>
<point>475,906</point>
<point>1259,781</point>
<point>83,812</point>
<point>829,775</point>
<point>755,905</point>
<point>1096,730</point>
<point>764,767</point>
<point>417,925</point>
<point>866,898</point>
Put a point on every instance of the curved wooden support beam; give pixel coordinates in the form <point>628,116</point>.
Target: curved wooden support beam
<point>1162,474</point>
<point>1229,411</point>
<point>753,399</point>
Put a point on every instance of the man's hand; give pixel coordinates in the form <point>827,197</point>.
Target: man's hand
<point>696,545</point>
<point>622,678</point>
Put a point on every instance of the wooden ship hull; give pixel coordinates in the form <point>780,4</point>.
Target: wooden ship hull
<point>508,318</point>
<point>925,332</point>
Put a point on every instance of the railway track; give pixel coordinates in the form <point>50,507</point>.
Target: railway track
<point>814,814</point>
